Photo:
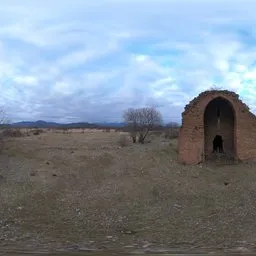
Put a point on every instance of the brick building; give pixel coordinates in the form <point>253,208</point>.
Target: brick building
<point>222,113</point>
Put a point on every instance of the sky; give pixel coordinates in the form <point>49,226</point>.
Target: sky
<point>81,60</point>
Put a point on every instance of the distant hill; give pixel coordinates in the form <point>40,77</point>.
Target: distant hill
<point>114,125</point>
<point>44,124</point>
<point>37,124</point>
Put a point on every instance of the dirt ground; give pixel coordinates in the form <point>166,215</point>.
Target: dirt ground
<point>83,191</point>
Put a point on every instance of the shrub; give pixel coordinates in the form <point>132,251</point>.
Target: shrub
<point>171,133</point>
<point>156,133</point>
<point>65,130</point>
<point>141,121</point>
<point>10,132</point>
<point>37,131</point>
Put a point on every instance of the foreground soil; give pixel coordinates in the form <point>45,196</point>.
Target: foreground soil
<point>83,191</point>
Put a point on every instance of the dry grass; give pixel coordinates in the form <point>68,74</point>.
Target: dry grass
<point>123,140</point>
<point>79,187</point>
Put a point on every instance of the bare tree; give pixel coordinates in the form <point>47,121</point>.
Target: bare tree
<point>131,118</point>
<point>4,127</point>
<point>3,119</point>
<point>141,121</point>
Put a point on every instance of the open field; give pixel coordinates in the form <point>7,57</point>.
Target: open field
<point>84,190</point>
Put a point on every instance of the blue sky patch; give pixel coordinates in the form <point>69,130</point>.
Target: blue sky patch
<point>87,61</point>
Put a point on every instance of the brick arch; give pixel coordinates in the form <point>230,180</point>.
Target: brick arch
<point>220,108</point>
<point>191,137</point>
<point>221,97</point>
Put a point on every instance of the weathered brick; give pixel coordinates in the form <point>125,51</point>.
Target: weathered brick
<point>195,136</point>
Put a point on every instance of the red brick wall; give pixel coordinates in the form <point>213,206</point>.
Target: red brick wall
<point>192,133</point>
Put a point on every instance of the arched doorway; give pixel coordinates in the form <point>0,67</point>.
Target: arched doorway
<point>219,129</point>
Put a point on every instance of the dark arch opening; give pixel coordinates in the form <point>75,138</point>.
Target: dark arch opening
<point>217,144</point>
<point>219,129</point>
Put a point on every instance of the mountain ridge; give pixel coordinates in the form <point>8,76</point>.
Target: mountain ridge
<point>45,124</point>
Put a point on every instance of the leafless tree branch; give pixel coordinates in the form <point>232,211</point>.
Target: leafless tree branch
<point>141,121</point>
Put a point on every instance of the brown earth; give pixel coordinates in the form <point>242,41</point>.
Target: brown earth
<point>82,190</point>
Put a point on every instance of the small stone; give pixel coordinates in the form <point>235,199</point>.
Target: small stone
<point>54,175</point>
<point>241,249</point>
<point>73,247</point>
<point>109,237</point>
<point>146,245</point>
<point>128,232</point>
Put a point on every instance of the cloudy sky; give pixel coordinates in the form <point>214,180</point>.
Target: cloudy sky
<point>82,60</point>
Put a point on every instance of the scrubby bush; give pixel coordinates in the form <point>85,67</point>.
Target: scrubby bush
<point>8,132</point>
<point>139,122</point>
<point>11,132</point>
<point>171,130</point>
<point>157,133</point>
<point>66,130</point>
<point>37,131</point>
<point>171,133</point>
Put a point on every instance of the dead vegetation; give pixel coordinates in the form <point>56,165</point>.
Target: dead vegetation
<point>83,187</point>
<point>171,131</point>
<point>141,121</point>
<point>11,132</point>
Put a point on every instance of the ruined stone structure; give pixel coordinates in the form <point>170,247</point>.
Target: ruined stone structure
<point>217,112</point>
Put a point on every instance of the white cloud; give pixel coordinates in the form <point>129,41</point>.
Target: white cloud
<point>26,80</point>
<point>61,87</point>
<point>107,55</point>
